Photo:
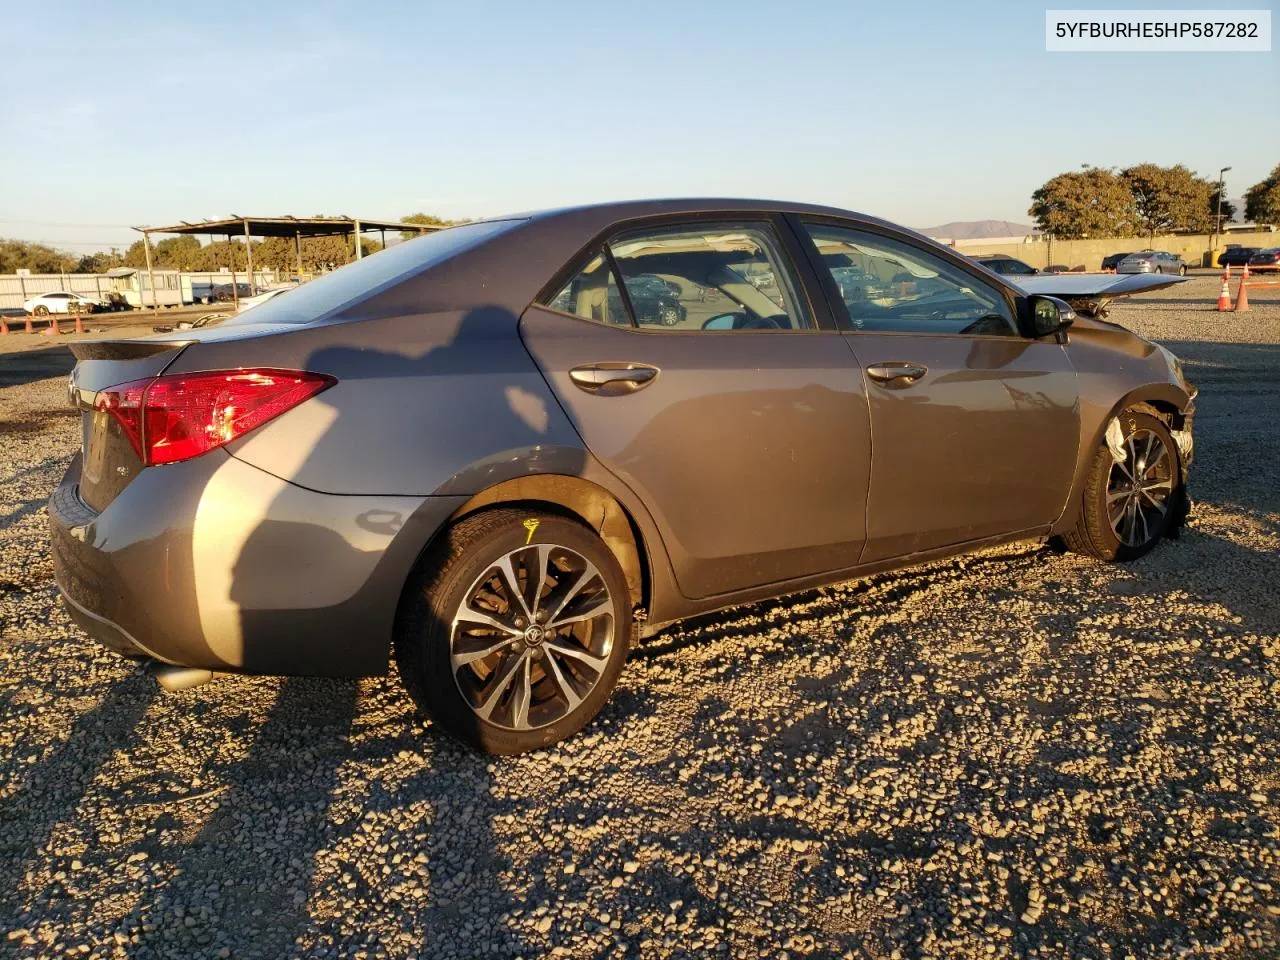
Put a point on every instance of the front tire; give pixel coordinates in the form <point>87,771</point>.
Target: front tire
<point>41,311</point>
<point>1129,505</point>
<point>513,629</point>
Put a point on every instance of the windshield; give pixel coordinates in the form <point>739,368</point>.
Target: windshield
<point>358,281</point>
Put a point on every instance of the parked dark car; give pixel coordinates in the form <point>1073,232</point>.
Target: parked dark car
<point>1112,261</point>
<point>224,293</point>
<point>463,453</point>
<point>1006,266</point>
<point>1236,256</point>
<point>1265,259</point>
<point>654,300</point>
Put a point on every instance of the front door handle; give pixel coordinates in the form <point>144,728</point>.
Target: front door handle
<point>896,373</point>
<point>612,379</point>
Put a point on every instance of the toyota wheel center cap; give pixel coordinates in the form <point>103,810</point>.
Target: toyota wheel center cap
<point>533,635</point>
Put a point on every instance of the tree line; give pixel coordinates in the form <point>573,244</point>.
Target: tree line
<point>1143,200</point>
<point>186,252</point>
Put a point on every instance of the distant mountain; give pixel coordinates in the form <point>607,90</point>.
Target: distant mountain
<point>977,230</point>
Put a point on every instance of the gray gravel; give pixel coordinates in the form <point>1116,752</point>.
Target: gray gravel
<point>1014,754</point>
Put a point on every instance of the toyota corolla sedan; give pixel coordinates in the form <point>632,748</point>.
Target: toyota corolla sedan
<point>467,453</point>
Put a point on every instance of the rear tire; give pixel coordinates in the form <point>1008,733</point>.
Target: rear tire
<point>1121,519</point>
<point>513,670</point>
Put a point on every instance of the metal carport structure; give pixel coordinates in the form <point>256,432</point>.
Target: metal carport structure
<point>295,227</point>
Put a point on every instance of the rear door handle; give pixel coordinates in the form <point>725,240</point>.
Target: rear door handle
<point>896,373</point>
<point>611,379</point>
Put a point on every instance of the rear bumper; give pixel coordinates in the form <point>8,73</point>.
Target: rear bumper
<point>216,564</point>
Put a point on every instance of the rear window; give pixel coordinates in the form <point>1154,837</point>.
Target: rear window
<point>360,280</point>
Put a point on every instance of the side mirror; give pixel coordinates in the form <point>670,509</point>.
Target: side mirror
<point>723,321</point>
<point>1051,317</point>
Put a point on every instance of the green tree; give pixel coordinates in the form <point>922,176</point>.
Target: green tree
<point>1169,198</point>
<point>36,257</point>
<point>1228,208</point>
<point>1092,202</point>
<point>1262,200</point>
<point>99,262</point>
<point>426,219</point>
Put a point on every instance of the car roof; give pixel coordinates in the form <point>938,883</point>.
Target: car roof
<point>598,216</point>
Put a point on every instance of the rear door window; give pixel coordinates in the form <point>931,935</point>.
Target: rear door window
<point>714,276</point>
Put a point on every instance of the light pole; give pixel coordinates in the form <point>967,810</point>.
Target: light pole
<point>1217,220</point>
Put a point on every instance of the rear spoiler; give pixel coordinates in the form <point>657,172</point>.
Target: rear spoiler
<point>125,349</point>
<point>1091,293</point>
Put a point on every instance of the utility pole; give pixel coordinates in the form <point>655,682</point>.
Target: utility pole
<point>151,277</point>
<point>248,252</point>
<point>1217,220</point>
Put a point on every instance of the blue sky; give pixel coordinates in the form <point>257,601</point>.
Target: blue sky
<point>150,113</point>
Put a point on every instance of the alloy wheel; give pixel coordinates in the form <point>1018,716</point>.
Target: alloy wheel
<point>1139,488</point>
<point>532,636</point>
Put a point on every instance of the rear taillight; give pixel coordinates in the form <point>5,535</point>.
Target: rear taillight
<point>173,418</point>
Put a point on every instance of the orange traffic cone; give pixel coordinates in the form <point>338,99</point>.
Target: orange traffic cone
<point>1224,297</point>
<point>1242,299</point>
<point>27,318</point>
<point>79,323</point>
<point>4,325</point>
<point>53,326</point>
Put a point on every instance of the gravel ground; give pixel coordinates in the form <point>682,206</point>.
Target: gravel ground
<point>1019,753</point>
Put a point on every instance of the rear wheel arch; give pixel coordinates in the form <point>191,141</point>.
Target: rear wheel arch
<point>585,502</point>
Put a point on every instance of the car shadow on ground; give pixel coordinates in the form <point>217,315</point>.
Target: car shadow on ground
<point>58,782</point>
<point>27,366</point>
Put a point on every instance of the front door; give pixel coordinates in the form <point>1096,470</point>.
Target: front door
<point>974,426</point>
<point>702,380</point>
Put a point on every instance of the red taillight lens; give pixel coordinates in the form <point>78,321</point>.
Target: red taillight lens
<point>178,417</point>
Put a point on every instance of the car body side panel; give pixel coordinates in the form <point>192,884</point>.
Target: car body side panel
<point>751,449</point>
<point>1114,369</point>
<point>216,564</point>
<point>983,444</point>
<point>421,402</point>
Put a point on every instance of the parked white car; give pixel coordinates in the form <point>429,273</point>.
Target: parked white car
<point>59,302</point>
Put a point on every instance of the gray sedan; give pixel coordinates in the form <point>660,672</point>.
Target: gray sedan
<point>1153,261</point>
<point>469,454</point>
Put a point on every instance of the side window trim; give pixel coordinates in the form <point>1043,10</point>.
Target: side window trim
<point>835,305</point>
<point>574,268</point>
<point>623,293</point>
<point>840,311</point>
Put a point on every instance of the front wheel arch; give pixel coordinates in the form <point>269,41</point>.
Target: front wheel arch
<point>1167,400</point>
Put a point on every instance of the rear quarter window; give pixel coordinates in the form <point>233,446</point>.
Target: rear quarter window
<point>360,280</point>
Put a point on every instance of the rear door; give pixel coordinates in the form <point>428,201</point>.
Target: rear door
<point>696,370</point>
<point>974,426</point>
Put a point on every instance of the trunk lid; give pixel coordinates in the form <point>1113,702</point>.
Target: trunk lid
<point>109,462</point>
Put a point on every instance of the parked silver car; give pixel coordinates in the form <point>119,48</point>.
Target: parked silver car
<point>1152,261</point>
